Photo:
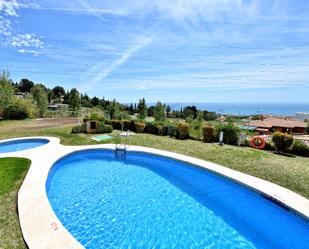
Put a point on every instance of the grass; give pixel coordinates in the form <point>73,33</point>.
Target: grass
<point>12,173</point>
<point>289,172</point>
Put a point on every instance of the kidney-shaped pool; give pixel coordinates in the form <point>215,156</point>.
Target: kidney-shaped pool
<point>21,144</point>
<point>149,201</point>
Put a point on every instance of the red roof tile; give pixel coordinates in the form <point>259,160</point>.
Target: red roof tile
<point>278,122</point>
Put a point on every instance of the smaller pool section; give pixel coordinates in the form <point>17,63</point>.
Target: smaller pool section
<point>21,144</point>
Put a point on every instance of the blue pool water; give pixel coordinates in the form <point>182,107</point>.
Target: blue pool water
<point>149,201</point>
<point>21,144</point>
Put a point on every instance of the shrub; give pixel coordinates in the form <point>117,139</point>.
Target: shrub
<point>183,130</point>
<point>269,146</point>
<point>103,128</point>
<point>127,125</point>
<point>16,111</point>
<point>160,130</point>
<point>96,116</point>
<point>208,133</point>
<point>299,148</point>
<point>151,128</point>
<point>246,143</point>
<point>140,127</point>
<point>282,141</point>
<point>116,124</point>
<point>230,133</point>
<point>170,130</point>
<point>77,129</point>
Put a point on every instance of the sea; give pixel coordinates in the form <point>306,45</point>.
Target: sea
<point>280,109</point>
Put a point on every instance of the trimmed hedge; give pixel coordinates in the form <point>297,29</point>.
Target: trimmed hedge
<point>140,127</point>
<point>282,141</point>
<point>151,128</point>
<point>183,130</point>
<point>299,148</point>
<point>230,133</point>
<point>79,129</point>
<point>116,124</point>
<point>208,133</point>
<point>170,130</point>
<point>104,128</point>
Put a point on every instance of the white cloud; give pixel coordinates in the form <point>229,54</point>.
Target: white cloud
<point>26,40</point>
<point>27,51</point>
<point>8,14</point>
<point>5,26</point>
<point>9,7</point>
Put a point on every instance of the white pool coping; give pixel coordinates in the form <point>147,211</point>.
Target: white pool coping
<point>42,229</point>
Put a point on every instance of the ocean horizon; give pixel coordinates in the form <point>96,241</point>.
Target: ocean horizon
<point>280,109</point>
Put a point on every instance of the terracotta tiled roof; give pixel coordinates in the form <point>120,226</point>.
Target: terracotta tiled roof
<point>278,122</point>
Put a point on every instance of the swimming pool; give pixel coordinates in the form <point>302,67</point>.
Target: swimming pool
<point>148,201</point>
<point>21,144</point>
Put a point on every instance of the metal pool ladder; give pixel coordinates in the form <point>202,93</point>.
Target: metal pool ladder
<point>121,148</point>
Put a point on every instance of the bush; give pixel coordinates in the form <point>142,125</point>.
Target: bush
<point>96,116</point>
<point>103,128</point>
<point>160,130</point>
<point>299,148</point>
<point>170,130</point>
<point>230,133</point>
<point>151,128</point>
<point>269,146</point>
<point>208,133</point>
<point>183,130</point>
<point>116,124</point>
<point>16,111</point>
<point>246,143</point>
<point>282,141</point>
<point>140,127</point>
<point>79,129</point>
<point>128,125</point>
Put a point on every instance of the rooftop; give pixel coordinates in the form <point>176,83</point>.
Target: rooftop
<point>278,122</point>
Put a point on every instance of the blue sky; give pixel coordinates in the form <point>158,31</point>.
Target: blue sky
<point>173,51</point>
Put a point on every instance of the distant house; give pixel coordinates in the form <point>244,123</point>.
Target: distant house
<point>56,107</point>
<point>273,124</point>
<point>19,95</point>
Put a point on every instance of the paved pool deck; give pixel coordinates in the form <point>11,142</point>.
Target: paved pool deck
<point>42,229</point>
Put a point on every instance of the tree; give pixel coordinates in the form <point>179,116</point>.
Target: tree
<point>95,101</point>
<point>25,85</point>
<point>40,97</point>
<point>142,109</point>
<point>58,91</point>
<point>131,109</point>
<point>74,100</point>
<point>190,111</point>
<point>208,116</point>
<point>113,109</point>
<point>150,111</point>
<point>6,91</point>
<point>168,110</point>
<point>85,100</point>
<point>159,112</point>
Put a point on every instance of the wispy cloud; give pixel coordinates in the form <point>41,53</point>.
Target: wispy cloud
<point>9,7</point>
<point>26,40</point>
<point>26,43</point>
<point>101,72</point>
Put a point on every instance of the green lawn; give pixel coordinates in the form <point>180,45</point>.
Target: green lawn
<point>289,172</point>
<point>12,173</point>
